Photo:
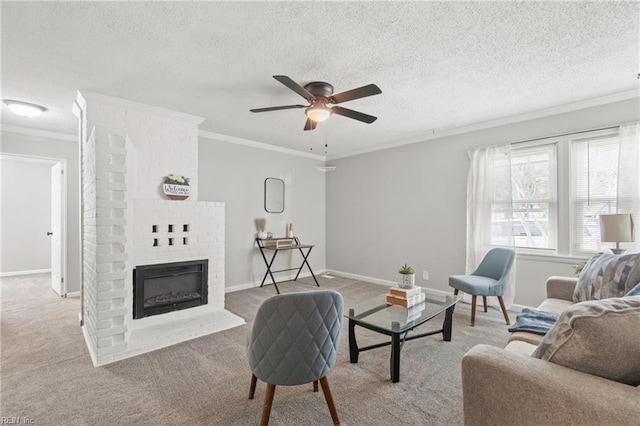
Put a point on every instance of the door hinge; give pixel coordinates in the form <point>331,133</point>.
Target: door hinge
<point>62,280</point>
<point>61,172</point>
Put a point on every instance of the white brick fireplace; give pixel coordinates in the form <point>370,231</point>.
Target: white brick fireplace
<point>126,150</point>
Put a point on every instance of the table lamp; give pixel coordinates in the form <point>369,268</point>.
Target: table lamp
<point>616,228</point>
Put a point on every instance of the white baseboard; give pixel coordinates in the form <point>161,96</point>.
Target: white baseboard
<point>514,307</point>
<point>255,284</point>
<point>518,308</point>
<point>30,272</point>
<point>383,282</point>
<point>362,278</point>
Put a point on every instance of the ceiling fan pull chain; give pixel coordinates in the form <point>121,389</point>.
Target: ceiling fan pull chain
<point>326,130</point>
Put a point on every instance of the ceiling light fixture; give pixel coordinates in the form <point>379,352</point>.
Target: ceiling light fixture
<point>25,109</point>
<point>317,112</point>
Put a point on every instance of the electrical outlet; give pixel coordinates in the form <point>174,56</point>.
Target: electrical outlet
<point>425,275</point>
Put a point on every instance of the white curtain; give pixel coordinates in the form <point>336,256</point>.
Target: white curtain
<point>489,203</point>
<point>629,178</point>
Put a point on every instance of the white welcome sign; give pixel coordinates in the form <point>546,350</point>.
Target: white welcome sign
<point>175,192</point>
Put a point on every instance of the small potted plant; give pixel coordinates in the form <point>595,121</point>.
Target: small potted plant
<point>176,187</point>
<point>577,269</point>
<point>407,277</point>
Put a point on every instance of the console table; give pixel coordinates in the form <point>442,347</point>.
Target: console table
<point>269,263</point>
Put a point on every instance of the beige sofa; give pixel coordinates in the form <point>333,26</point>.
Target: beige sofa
<point>559,298</point>
<point>508,386</point>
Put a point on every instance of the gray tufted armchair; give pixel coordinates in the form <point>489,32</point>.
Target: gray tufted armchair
<point>294,340</point>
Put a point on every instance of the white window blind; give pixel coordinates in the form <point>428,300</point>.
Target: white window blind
<point>594,180</point>
<point>532,202</point>
<point>533,177</point>
<point>561,185</point>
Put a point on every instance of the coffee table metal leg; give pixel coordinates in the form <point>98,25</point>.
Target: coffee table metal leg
<point>395,357</point>
<point>353,345</point>
<point>448,324</point>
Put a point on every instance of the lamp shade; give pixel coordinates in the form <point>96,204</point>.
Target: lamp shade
<point>616,228</point>
<point>318,113</point>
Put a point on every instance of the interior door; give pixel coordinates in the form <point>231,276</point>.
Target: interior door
<point>57,279</point>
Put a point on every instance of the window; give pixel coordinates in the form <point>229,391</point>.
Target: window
<point>529,207</point>
<point>533,186</point>
<point>559,188</point>
<point>594,189</point>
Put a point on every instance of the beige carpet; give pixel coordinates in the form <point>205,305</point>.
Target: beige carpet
<point>47,375</point>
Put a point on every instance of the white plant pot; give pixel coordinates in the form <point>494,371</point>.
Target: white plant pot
<point>407,280</point>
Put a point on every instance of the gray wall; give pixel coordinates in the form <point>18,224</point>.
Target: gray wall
<point>38,146</point>
<point>26,215</point>
<point>384,208</point>
<point>408,204</point>
<point>235,174</point>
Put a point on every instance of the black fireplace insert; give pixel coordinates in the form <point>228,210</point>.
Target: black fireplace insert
<point>168,287</point>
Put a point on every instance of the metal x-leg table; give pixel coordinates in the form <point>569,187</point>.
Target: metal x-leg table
<point>275,249</point>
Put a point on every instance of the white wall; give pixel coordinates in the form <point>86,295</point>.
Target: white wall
<point>235,174</point>
<point>40,146</point>
<point>408,204</point>
<point>26,215</point>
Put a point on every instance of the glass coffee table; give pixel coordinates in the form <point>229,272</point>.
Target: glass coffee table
<point>396,321</point>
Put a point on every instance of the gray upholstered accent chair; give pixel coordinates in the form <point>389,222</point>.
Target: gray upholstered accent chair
<point>489,279</point>
<point>294,340</point>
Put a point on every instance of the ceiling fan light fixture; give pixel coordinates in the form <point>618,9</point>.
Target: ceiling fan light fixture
<point>24,109</point>
<point>317,113</point>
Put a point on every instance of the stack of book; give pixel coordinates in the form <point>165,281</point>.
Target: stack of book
<point>415,311</point>
<point>406,297</point>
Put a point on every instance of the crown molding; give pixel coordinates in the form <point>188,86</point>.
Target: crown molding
<point>439,133</point>
<point>451,131</point>
<point>260,145</point>
<point>201,133</point>
<point>39,133</point>
<point>84,97</point>
<point>29,158</point>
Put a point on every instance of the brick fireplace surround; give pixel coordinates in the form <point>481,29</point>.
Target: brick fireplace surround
<point>126,149</point>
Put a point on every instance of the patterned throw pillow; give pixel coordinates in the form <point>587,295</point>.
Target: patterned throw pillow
<point>634,291</point>
<point>598,337</point>
<point>607,275</point>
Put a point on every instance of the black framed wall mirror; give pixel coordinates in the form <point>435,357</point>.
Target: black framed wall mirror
<point>273,195</point>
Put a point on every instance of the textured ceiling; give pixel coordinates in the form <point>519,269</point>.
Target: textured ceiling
<point>439,64</point>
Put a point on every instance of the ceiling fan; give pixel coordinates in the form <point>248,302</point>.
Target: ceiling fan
<point>319,94</point>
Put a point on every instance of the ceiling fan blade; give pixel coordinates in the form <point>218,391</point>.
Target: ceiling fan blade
<point>360,92</point>
<point>277,108</point>
<point>365,118</point>
<point>310,124</point>
<point>295,87</point>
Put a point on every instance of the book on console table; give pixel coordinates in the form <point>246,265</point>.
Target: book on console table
<point>407,302</point>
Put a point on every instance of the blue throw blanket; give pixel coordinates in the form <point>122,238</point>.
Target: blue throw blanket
<point>534,321</point>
